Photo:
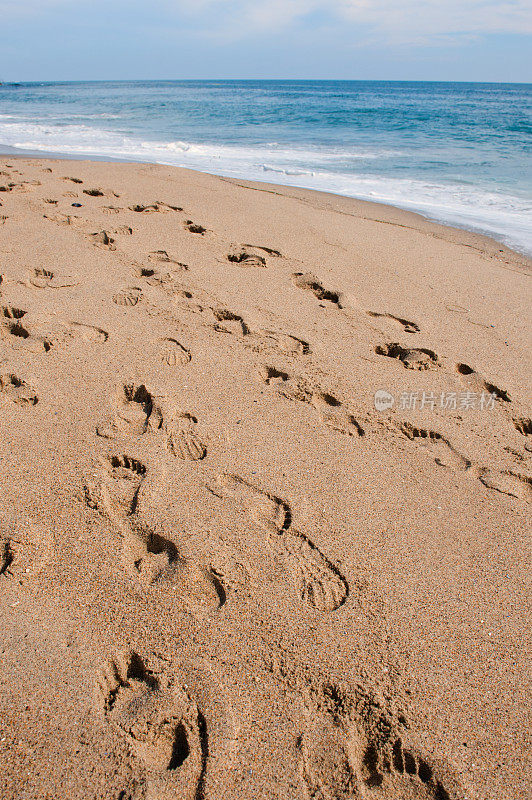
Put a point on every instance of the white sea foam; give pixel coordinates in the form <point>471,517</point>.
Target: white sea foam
<point>502,215</point>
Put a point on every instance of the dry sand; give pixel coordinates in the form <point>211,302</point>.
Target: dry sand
<point>224,573</point>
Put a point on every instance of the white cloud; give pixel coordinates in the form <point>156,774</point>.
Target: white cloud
<point>394,20</point>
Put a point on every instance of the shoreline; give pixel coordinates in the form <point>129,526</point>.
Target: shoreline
<point>496,244</point>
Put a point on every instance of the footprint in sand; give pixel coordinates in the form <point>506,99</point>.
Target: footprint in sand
<point>156,562</point>
<point>248,255</point>
<point>319,583</point>
<point>157,275</point>
<point>103,239</point>
<point>157,207</point>
<point>163,725</point>
<point>149,554</point>
<point>11,313</point>
<point>509,483</point>
<point>117,494</point>
<point>523,425</point>
<point>172,353</point>
<point>476,383</point>
<point>136,410</point>
<point>89,333</point>
<point>309,282</point>
<point>407,326</point>
<point>177,721</point>
<point>284,342</point>
<point>436,446</point>
<point>228,322</point>
<point>70,220</point>
<point>356,752</point>
<point>25,548</point>
<point>42,278</point>
<point>411,357</point>
<point>183,441</point>
<point>123,230</point>
<point>332,411</point>
<point>194,228</point>
<point>11,325</point>
<point>17,391</point>
<point>129,296</point>
<point>162,257</point>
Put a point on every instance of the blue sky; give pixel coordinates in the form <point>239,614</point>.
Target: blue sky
<point>478,40</point>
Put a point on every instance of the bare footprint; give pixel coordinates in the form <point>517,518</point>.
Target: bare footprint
<point>286,385</point>
<point>12,313</point>
<point>334,415</point>
<point>116,496</point>
<point>155,275</point>
<point>411,358</point>
<point>407,326</point>
<point>510,483</point>
<point>194,228</point>
<point>157,207</point>
<point>290,345</point>
<point>23,335</point>
<point>149,554</point>
<point>476,382</point>
<point>16,390</point>
<point>162,257</point>
<point>136,410</point>
<point>89,333</point>
<point>228,322</point>
<point>25,548</point>
<point>326,770</point>
<point>154,559</point>
<point>437,446</point>
<point>332,412</point>
<point>249,255</point>
<point>309,282</point>
<point>523,425</point>
<point>165,729</point>
<point>357,752</point>
<point>42,278</point>
<point>264,508</point>
<point>104,239</point>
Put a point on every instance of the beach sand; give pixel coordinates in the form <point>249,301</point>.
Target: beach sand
<point>224,572</point>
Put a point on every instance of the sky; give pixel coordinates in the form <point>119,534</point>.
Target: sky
<point>456,40</point>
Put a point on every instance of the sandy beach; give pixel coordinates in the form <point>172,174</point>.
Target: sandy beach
<point>266,485</point>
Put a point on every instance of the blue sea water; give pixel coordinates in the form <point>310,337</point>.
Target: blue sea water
<point>456,152</point>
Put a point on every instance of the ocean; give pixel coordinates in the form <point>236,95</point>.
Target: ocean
<point>456,152</point>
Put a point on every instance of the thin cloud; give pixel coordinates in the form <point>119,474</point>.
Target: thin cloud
<point>399,20</point>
